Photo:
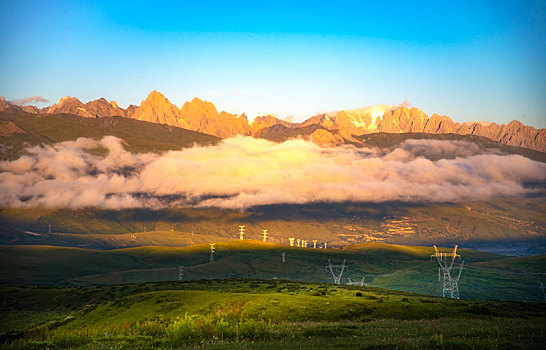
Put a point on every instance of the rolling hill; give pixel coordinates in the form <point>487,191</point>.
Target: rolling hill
<point>404,268</point>
<point>131,298</point>
<point>510,226</point>
<point>259,314</point>
<point>52,128</point>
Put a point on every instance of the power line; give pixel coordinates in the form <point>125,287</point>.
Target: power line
<point>342,267</point>
<point>180,272</point>
<point>211,257</point>
<point>450,285</point>
<point>355,283</point>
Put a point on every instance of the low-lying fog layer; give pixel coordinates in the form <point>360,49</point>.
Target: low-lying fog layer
<point>243,171</point>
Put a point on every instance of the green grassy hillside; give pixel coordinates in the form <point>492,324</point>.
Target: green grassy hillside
<point>140,136</point>
<point>258,314</point>
<point>517,225</point>
<point>387,266</point>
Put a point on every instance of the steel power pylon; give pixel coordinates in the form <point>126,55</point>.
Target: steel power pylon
<point>355,283</point>
<point>211,257</point>
<point>450,285</point>
<point>342,267</point>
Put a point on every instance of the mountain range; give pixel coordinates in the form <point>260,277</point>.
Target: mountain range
<point>333,128</point>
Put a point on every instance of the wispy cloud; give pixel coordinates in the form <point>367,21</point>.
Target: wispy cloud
<point>33,99</point>
<point>242,172</point>
<point>405,103</point>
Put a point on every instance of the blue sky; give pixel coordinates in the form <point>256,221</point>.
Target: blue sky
<point>471,60</point>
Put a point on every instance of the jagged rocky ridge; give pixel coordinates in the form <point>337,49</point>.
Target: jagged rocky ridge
<point>324,129</point>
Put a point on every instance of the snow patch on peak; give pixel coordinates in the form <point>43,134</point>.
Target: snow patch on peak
<point>358,122</point>
<point>376,116</point>
<point>373,116</point>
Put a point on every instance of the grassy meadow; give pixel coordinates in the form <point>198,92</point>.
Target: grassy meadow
<point>259,314</point>
<point>394,267</point>
<point>56,297</point>
<point>515,226</point>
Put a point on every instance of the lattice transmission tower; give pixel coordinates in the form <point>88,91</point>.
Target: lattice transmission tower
<point>341,268</point>
<point>355,283</point>
<point>450,284</point>
<point>211,257</point>
<point>180,272</point>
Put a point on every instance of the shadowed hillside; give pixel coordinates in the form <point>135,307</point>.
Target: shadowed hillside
<point>140,136</point>
<point>517,226</point>
<point>387,266</point>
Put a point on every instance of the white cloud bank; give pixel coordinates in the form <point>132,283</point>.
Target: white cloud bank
<point>242,172</point>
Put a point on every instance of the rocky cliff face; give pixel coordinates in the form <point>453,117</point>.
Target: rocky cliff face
<point>156,108</point>
<point>202,116</point>
<point>405,120</point>
<point>196,115</point>
<point>7,107</point>
<point>266,121</point>
<point>313,132</point>
<point>325,129</point>
<point>92,109</point>
<point>514,134</point>
<point>70,105</point>
<point>103,108</point>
